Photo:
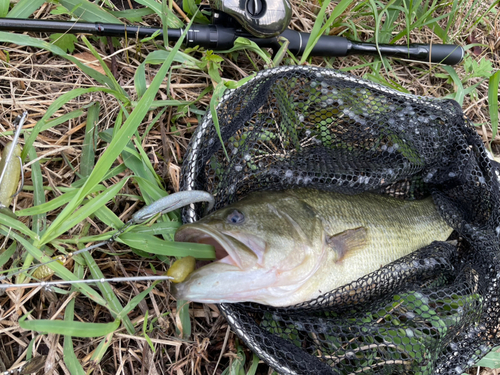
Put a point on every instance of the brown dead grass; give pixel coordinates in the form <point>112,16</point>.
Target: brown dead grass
<point>33,79</point>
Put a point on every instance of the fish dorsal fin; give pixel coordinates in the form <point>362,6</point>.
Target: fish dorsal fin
<point>347,243</point>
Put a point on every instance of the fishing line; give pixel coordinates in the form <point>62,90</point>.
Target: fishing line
<point>48,284</point>
<point>159,207</point>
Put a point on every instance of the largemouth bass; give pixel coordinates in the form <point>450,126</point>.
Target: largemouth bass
<point>283,248</point>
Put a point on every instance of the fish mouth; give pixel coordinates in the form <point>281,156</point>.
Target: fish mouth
<point>228,247</point>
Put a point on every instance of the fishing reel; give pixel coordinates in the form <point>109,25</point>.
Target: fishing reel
<point>261,18</point>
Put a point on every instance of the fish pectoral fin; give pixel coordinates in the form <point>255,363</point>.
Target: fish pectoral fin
<point>347,243</point>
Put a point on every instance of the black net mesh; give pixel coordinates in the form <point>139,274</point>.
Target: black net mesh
<point>433,311</point>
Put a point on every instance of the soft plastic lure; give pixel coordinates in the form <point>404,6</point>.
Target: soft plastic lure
<point>173,202</point>
<point>11,170</point>
<point>44,272</point>
<point>181,269</point>
<point>11,165</point>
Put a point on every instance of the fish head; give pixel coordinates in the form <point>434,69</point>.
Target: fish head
<point>263,250</point>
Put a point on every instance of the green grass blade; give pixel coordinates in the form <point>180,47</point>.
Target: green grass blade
<point>138,165</point>
<point>135,301</point>
<point>109,218</point>
<point>102,348</point>
<point>55,203</point>
<point>88,11</point>
<point>158,57</point>
<point>69,357</point>
<point>385,81</point>
<point>392,14</point>
<point>55,106</point>
<point>419,23</point>
<point>112,79</point>
<point>192,9</point>
<point>148,340</point>
<point>490,360</point>
<point>140,79</point>
<point>85,239</point>
<point>452,16</point>
<point>40,219</point>
<point>4,7</point>
<point>25,40</point>
<point>184,328</point>
<point>5,255</point>
<point>112,173</point>
<point>90,141</point>
<point>74,329</point>
<point>459,88</point>
<point>133,15</point>
<point>377,16</point>
<point>164,24</point>
<point>491,8</point>
<point>114,304</point>
<point>17,225</point>
<point>120,140</point>
<point>133,160</point>
<point>493,102</point>
<point>171,19</point>
<point>152,192</point>
<point>7,212</point>
<point>253,368</point>
<point>142,137</point>
<point>157,228</point>
<point>214,101</point>
<point>146,162</point>
<point>317,30</point>
<point>244,44</point>
<point>85,211</point>
<point>25,8</point>
<point>439,31</point>
<point>62,119</point>
<point>471,88</point>
<point>155,245</point>
<point>175,103</point>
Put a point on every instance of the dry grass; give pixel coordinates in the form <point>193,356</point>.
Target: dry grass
<point>32,79</point>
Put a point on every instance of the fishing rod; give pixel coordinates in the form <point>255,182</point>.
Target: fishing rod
<point>221,34</point>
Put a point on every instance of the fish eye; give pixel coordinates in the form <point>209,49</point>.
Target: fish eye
<point>235,217</point>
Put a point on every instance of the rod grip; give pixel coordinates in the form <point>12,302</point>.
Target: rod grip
<point>448,54</point>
